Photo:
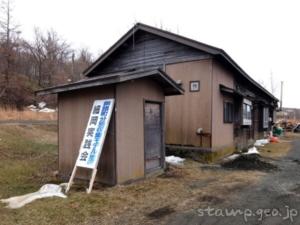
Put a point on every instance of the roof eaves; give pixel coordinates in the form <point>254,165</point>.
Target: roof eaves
<point>162,74</point>
<point>110,79</point>
<point>171,81</point>
<point>75,86</point>
<point>109,51</point>
<point>242,72</point>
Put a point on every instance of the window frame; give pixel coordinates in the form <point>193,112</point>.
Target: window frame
<point>247,113</point>
<point>266,116</point>
<point>228,112</point>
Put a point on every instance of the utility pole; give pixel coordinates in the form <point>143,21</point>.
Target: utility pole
<point>73,67</point>
<point>281,95</point>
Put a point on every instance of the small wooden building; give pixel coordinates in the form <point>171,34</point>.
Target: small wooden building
<point>222,107</point>
<point>134,145</point>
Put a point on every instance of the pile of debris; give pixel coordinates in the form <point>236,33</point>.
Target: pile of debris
<point>249,162</point>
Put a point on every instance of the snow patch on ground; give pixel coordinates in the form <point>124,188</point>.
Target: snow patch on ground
<point>41,108</point>
<point>47,110</point>
<point>46,191</point>
<point>252,150</point>
<point>31,107</point>
<point>261,142</point>
<point>174,160</point>
<point>231,157</point>
<point>42,105</point>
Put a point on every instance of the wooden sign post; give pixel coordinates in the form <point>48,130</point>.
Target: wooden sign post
<point>93,140</point>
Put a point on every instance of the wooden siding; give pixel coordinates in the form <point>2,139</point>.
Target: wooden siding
<point>188,112</point>
<point>256,121</point>
<point>147,51</point>
<point>74,110</point>
<point>258,129</point>
<point>130,98</point>
<point>222,132</point>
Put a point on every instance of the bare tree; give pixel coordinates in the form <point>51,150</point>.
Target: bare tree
<point>49,53</point>
<point>29,65</point>
<point>8,38</point>
<point>37,55</point>
<point>83,59</point>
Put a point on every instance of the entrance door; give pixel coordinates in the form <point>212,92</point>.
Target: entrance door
<point>153,136</point>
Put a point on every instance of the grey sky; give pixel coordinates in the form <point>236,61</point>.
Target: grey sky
<point>262,36</point>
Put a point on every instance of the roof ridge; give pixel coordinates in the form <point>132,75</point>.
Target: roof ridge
<point>178,35</point>
<point>182,40</point>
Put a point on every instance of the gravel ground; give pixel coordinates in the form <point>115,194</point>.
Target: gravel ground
<point>274,200</point>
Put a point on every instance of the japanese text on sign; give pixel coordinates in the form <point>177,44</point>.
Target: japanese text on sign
<point>94,136</point>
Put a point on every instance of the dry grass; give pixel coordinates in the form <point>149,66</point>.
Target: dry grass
<point>281,149</point>
<point>13,114</point>
<point>182,189</point>
<point>29,162</point>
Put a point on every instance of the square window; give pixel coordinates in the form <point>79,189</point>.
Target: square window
<point>194,86</point>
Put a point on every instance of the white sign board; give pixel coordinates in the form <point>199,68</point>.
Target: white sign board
<point>94,136</point>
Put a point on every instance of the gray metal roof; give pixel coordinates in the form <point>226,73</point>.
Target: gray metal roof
<point>169,86</point>
<point>219,53</point>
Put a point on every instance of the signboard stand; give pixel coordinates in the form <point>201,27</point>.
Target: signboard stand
<point>92,181</point>
<point>93,140</point>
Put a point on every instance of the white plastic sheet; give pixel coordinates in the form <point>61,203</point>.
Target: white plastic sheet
<point>46,191</point>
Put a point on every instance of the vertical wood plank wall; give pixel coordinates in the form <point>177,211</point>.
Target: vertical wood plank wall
<point>74,110</point>
<point>148,51</point>
<point>186,113</point>
<point>223,133</point>
<point>130,98</point>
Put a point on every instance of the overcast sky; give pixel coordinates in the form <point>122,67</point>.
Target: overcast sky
<point>262,36</point>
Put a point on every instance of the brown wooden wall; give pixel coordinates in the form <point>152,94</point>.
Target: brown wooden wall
<point>222,132</point>
<point>130,126</point>
<point>74,110</point>
<point>123,160</point>
<point>186,113</point>
<point>256,121</point>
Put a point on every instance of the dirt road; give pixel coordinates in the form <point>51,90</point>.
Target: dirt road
<point>274,200</point>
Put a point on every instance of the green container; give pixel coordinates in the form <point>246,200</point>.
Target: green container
<point>277,131</point>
